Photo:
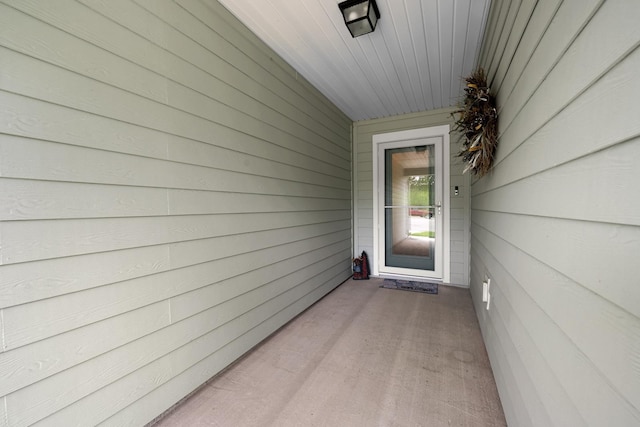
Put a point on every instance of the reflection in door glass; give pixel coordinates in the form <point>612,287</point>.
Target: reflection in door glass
<point>409,207</point>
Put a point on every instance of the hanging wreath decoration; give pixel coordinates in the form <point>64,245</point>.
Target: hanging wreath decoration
<point>478,124</point>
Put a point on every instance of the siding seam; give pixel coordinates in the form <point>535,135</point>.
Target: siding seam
<point>3,341</point>
<point>533,50</point>
<point>556,165</point>
<point>168,78</point>
<point>6,410</point>
<point>588,360</point>
<point>517,46</point>
<point>552,67</point>
<point>561,273</point>
<point>569,101</point>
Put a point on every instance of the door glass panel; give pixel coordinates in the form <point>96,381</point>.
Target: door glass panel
<point>410,211</point>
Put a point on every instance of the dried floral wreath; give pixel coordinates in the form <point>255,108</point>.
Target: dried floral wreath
<point>478,124</point>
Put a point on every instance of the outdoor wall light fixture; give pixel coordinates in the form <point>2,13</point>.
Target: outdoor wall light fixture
<point>361,16</point>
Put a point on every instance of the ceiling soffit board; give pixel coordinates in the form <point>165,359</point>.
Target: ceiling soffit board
<point>414,61</point>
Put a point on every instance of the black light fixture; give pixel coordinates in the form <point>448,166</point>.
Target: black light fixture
<point>361,16</point>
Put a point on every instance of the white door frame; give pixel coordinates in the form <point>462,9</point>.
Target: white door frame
<point>378,216</point>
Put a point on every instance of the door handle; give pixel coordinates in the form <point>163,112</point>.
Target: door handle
<point>439,206</point>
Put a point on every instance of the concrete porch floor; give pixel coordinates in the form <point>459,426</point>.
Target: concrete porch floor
<point>362,356</point>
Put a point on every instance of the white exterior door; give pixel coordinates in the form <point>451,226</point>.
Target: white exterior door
<point>411,215</point>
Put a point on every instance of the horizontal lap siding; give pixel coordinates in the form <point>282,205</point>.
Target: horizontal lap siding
<point>556,224</point>
<point>171,193</point>
<point>363,185</point>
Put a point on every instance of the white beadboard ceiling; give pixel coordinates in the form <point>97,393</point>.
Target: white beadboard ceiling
<point>415,60</point>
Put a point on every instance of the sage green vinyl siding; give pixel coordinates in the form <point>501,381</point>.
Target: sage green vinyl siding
<point>363,185</point>
<point>556,224</point>
<point>171,193</point>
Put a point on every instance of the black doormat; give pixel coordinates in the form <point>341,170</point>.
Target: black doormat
<point>410,285</point>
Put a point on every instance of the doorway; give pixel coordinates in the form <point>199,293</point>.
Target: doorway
<point>411,217</point>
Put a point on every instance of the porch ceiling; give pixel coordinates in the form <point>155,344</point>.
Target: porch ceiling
<point>414,61</point>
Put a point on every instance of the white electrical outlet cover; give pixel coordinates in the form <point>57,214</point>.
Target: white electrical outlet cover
<point>485,291</point>
<point>488,300</point>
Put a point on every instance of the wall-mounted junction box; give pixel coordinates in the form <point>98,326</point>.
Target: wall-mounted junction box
<point>486,291</point>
